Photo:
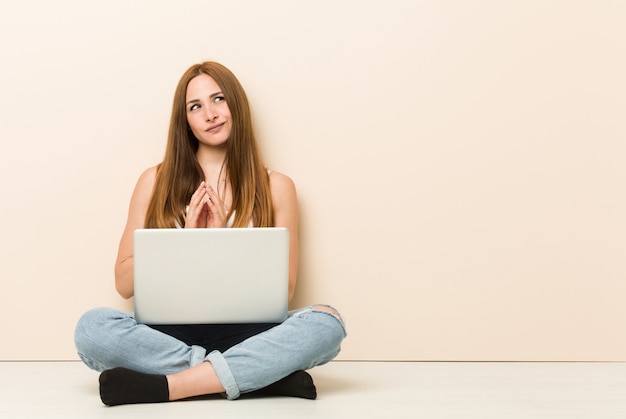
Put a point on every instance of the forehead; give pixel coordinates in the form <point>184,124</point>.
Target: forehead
<point>201,86</point>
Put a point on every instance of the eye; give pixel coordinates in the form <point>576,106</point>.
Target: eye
<point>219,99</point>
<point>194,107</point>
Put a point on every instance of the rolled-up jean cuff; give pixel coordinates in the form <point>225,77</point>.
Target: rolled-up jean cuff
<point>224,374</point>
<point>198,355</point>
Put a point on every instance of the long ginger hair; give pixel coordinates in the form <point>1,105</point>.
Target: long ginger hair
<point>179,175</point>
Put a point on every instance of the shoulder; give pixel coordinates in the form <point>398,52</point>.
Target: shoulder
<point>145,183</point>
<point>281,184</point>
<point>283,192</point>
<point>148,177</point>
<point>284,202</point>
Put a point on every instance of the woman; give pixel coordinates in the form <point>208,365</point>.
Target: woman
<point>212,176</point>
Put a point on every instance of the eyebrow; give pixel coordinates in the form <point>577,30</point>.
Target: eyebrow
<point>210,97</point>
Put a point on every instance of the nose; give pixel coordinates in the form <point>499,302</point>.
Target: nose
<point>211,114</point>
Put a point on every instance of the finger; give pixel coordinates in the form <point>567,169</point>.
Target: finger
<point>199,190</point>
<point>210,204</point>
<point>205,200</point>
<point>215,198</point>
<point>215,204</point>
<point>196,198</point>
<point>197,211</point>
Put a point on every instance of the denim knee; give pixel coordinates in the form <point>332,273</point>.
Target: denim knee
<point>329,329</point>
<point>325,308</point>
<point>322,310</point>
<point>88,335</point>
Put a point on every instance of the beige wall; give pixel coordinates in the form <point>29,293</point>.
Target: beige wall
<point>460,164</point>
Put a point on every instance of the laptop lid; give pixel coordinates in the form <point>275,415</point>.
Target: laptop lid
<point>211,275</point>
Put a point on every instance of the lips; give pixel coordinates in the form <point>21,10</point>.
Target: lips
<point>215,127</point>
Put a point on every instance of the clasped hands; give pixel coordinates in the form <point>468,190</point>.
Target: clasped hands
<point>206,209</point>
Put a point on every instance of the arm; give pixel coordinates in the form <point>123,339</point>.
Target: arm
<point>285,204</point>
<point>136,217</point>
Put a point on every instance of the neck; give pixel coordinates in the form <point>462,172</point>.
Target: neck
<point>211,157</point>
<point>211,160</point>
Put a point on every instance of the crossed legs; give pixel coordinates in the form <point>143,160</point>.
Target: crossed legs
<point>264,363</point>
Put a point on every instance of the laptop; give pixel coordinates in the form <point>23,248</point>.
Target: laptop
<point>211,275</point>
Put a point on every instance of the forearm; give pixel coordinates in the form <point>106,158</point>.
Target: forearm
<point>124,264</point>
<point>124,280</point>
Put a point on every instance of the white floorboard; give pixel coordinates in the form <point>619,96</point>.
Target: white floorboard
<point>349,390</point>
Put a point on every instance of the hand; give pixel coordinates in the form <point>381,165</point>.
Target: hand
<point>217,210</point>
<point>206,209</point>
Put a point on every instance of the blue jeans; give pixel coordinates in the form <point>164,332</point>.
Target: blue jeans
<point>107,338</point>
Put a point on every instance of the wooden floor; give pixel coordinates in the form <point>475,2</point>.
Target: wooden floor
<point>428,390</point>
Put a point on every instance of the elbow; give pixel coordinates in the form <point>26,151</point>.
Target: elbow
<point>291,290</point>
<point>124,279</point>
<point>124,292</point>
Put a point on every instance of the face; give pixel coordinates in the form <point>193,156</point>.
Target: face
<point>208,114</point>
